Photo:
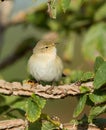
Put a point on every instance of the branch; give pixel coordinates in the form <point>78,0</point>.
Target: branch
<point>55,92</point>
<point>19,124</point>
<point>24,47</point>
<point>14,124</point>
<point>27,89</point>
<point>68,126</point>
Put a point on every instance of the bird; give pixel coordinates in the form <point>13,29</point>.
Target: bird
<point>44,64</point>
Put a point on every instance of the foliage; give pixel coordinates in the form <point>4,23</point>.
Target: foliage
<point>100,76</point>
<point>80,105</point>
<point>98,97</point>
<point>71,20</point>
<point>34,107</point>
<point>83,18</point>
<point>95,41</point>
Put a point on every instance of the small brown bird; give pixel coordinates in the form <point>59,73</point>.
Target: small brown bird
<point>44,64</point>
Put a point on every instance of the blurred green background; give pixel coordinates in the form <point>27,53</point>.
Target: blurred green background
<point>81,32</point>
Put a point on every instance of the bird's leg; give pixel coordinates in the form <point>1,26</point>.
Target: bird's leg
<point>53,84</point>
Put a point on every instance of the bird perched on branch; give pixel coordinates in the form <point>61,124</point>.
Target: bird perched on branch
<point>44,64</point>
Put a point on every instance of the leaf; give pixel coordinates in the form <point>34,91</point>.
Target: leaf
<point>100,13</point>
<point>100,76</point>
<point>40,101</point>
<point>94,43</point>
<point>19,103</point>
<point>2,100</point>
<point>95,111</point>
<point>76,76</point>
<point>48,126</point>
<point>52,8</point>
<point>99,60</point>
<point>34,107</point>
<point>65,4</point>
<point>4,108</point>
<point>31,18</point>
<point>81,76</point>
<point>84,89</point>
<point>76,5</point>
<point>87,76</point>
<point>98,98</point>
<point>33,111</point>
<point>80,106</point>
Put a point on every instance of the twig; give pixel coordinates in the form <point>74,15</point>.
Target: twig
<point>14,124</point>
<point>55,92</point>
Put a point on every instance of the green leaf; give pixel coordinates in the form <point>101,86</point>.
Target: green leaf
<point>48,126</point>
<point>101,12</point>
<point>99,60</point>
<point>33,111</point>
<point>94,43</point>
<point>100,76</point>
<point>80,105</point>
<point>39,100</point>
<point>65,4</point>
<point>87,76</point>
<point>20,103</point>
<point>34,107</point>
<point>84,89</point>
<point>98,98</point>
<point>31,18</point>
<point>76,5</point>
<point>95,111</point>
<point>4,108</point>
<point>76,76</point>
<point>52,9</point>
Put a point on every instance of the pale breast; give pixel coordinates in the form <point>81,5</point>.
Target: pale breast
<point>45,69</point>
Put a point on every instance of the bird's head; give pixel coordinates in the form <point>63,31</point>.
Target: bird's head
<point>45,47</point>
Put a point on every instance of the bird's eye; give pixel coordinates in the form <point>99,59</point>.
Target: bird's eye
<point>46,47</point>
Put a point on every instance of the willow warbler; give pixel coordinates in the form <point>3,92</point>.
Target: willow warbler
<point>45,64</point>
